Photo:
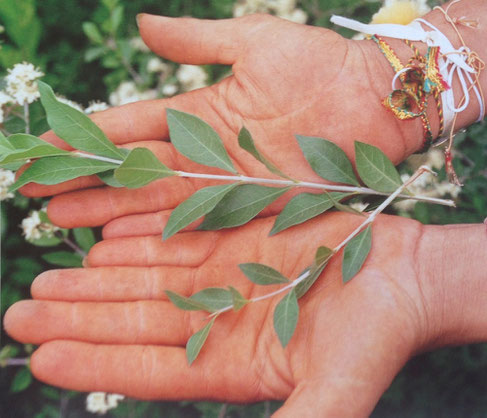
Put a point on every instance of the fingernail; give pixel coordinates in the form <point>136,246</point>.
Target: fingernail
<point>138,18</point>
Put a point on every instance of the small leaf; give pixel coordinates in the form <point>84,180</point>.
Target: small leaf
<point>213,297</point>
<point>327,159</point>
<point>303,207</point>
<point>343,208</point>
<point>262,274</point>
<point>286,317</point>
<point>375,169</point>
<point>54,170</point>
<point>303,287</point>
<point>75,127</point>
<point>240,205</point>
<point>92,32</point>
<point>197,140</point>
<point>323,254</point>
<point>141,167</point>
<point>355,254</point>
<point>36,152</point>
<point>63,259</point>
<point>247,143</point>
<point>185,303</point>
<point>21,381</point>
<point>108,177</point>
<point>195,343</point>
<point>84,237</point>
<point>193,208</point>
<point>237,299</point>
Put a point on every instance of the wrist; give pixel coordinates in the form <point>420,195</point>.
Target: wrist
<point>452,274</point>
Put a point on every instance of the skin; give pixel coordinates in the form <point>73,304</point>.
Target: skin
<point>350,339</point>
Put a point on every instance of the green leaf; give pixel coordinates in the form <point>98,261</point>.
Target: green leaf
<point>196,206</point>
<point>36,152</point>
<point>237,299</point>
<point>214,297</point>
<point>54,170</point>
<point>63,259</point>
<point>303,207</point>
<point>375,169</point>
<point>75,127</point>
<point>343,208</point>
<point>141,167</point>
<point>197,140</point>
<point>355,254</point>
<point>303,287</point>
<point>21,381</point>
<point>323,254</point>
<point>240,205</point>
<point>21,147</point>
<point>92,32</point>
<point>262,274</point>
<point>286,317</point>
<point>327,159</point>
<point>116,18</point>
<point>195,343</point>
<point>247,143</point>
<point>108,177</point>
<point>185,303</point>
<point>84,237</point>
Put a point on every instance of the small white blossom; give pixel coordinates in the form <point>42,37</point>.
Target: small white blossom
<point>359,206</point>
<point>127,92</point>
<point>296,16</point>
<point>96,107</point>
<point>22,84</point>
<point>34,228</point>
<point>70,103</point>
<point>281,8</point>
<point>7,178</point>
<point>138,44</point>
<point>169,89</point>
<point>401,12</point>
<point>101,402</point>
<point>435,158</point>
<point>156,65</point>
<point>191,77</point>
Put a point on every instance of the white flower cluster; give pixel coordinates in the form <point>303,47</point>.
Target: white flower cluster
<point>138,44</point>
<point>96,107</point>
<point>70,103</point>
<point>7,178</point>
<point>34,229</point>
<point>127,92</point>
<point>192,77</point>
<point>101,402</point>
<point>22,84</point>
<point>401,12</point>
<point>285,9</point>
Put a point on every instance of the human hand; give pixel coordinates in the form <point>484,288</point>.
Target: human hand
<point>111,327</point>
<point>287,79</point>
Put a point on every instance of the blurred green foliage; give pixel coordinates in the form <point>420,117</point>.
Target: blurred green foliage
<point>62,38</point>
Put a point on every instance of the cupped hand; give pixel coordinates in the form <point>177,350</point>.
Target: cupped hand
<point>111,328</point>
<point>287,79</point>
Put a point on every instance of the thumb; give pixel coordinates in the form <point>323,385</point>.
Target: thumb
<point>197,41</point>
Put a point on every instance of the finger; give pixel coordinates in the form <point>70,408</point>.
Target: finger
<point>141,225</point>
<point>197,41</point>
<point>189,249</point>
<point>144,372</point>
<point>112,284</point>
<point>141,322</point>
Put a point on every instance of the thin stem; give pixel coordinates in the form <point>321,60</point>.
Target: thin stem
<point>74,247</point>
<point>223,411</point>
<point>96,157</point>
<point>27,118</point>
<point>15,362</point>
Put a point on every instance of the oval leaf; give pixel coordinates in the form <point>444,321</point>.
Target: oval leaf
<point>240,205</point>
<point>21,381</point>
<point>327,160</point>
<point>193,208</point>
<point>54,170</point>
<point>35,152</point>
<point>303,207</point>
<point>185,303</point>
<point>84,237</point>
<point>375,169</point>
<point>214,297</point>
<point>63,259</point>
<point>355,254</point>
<point>247,143</point>
<point>141,167</point>
<point>237,299</point>
<point>197,140</point>
<point>286,317</point>
<point>75,127</point>
<point>262,274</point>
<point>315,272</point>
<point>195,343</point>
<point>323,254</point>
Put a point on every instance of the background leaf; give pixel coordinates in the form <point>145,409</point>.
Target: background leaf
<point>355,254</point>
<point>262,274</point>
<point>214,297</point>
<point>193,208</point>
<point>197,140</point>
<point>185,303</point>
<point>286,317</point>
<point>22,380</point>
<point>303,207</point>
<point>84,237</point>
<point>327,159</point>
<point>54,170</point>
<point>247,143</point>
<point>75,127</point>
<point>196,342</point>
<point>63,259</point>
<point>240,205</point>
<point>141,167</point>
<point>375,169</point>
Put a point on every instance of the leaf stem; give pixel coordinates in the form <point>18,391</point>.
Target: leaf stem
<point>27,118</point>
<point>96,157</point>
<point>15,362</point>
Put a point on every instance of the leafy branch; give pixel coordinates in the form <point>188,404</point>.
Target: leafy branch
<point>227,205</point>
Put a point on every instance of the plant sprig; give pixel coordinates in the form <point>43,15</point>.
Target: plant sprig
<point>232,204</point>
